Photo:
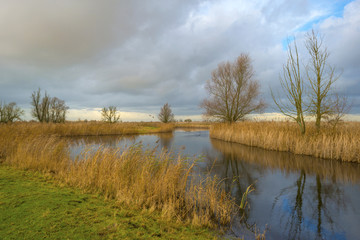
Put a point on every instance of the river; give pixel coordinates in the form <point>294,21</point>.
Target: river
<point>295,197</point>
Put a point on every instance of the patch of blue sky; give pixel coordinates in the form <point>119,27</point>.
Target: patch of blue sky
<point>335,10</point>
<point>339,7</point>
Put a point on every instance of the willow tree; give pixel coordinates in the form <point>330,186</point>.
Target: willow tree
<point>321,77</point>
<point>292,84</point>
<point>233,92</point>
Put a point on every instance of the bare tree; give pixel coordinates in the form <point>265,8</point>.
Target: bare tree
<point>40,106</point>
<point>233,91</point>
<point>166,114</point>
<point>47,109</point>
<point>321,77</point>
<point>10,112</point>
<point>110,114</point>
<point>57,110</point>
<point>292,84</point>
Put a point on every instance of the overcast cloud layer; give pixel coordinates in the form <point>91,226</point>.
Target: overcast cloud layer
<point>138,55</point>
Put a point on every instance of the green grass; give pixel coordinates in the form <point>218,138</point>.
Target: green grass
<point>34,206</point>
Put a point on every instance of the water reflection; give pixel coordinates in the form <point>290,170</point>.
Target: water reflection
<point>308,206</point>
<point>166,140</point>
<point>296,197</point>
<point>290,163</point>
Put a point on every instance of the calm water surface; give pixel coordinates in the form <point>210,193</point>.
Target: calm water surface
<point>295,197</point>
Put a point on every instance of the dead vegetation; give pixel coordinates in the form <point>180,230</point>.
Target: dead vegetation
<point>342,143</point>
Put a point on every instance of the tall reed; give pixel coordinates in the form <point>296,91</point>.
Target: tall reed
<point>85,128</point>
<point>133,176</point>
<point>342,143</point>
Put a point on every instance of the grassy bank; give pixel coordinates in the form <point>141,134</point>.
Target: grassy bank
<point>33,206</point>
<point>140,179</point>
<point>85,128</point>
<point>342,144</point>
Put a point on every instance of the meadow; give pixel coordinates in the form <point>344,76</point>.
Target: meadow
<point>341,143</point>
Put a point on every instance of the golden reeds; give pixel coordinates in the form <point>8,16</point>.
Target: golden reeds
<point>342,143</point>
<point>85,128</point>
<point>133,176</point>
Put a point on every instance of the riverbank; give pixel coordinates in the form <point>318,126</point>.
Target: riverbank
<point>35,206</point>
<point>72,129</point>
<point>342,144</point>
<point>137,178</point>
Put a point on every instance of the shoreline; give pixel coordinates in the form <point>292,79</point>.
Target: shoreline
<point>342,144</point>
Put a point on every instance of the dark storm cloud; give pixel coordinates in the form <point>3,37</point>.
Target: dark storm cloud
<point>138,55</point>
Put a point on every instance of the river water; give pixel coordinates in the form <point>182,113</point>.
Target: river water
<point>295,197</point>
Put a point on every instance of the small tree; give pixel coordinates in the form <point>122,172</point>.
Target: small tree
<point>166,114</point>
<point>110,114</point>
<point>48,109</point>
<point>233,91</point>
<point>321,77</point>
<point>10,112</point>
<point>292,84</point>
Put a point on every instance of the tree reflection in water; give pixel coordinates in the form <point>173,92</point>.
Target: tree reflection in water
<point>303,210</point>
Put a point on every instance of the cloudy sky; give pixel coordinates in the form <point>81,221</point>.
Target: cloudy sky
<point>138,55</point>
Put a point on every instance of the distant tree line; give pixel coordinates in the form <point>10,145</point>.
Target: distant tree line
<point>44,109</point>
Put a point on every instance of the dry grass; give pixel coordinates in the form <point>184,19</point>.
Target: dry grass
<point>343,143</point>
<point>86,128</point>
<point>137,177</point>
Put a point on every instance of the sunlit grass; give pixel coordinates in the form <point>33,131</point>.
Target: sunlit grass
<point>34,206</point>
<point>142,179</point>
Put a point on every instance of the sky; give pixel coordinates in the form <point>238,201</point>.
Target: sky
<point>138,55</point>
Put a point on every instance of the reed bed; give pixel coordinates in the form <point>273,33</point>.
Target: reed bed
<point>143,179</point>
<point>85,128</point>
<point>342,143</point>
